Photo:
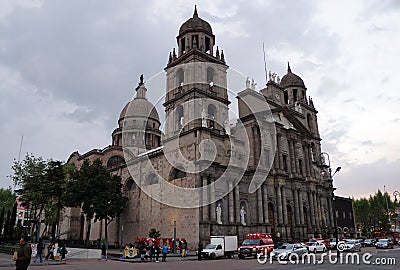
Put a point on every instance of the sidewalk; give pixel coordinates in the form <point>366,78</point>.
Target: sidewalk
<point>7,261</point>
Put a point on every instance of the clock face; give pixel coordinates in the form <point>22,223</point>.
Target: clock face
<point>277,96</point>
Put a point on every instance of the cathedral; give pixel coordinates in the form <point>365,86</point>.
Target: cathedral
<point>199,172</point>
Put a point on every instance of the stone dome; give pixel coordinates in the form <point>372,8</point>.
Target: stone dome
<point>140,106</point>
<point>292,80</point>
<point>195,24</point>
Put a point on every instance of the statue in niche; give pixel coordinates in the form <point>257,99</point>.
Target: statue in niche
<point>203,118</point>
<point>242,216</point>
<point>227,127</point>
<point>218,210</point>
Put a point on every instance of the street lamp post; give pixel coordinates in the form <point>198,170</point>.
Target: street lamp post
<point>323,158</point>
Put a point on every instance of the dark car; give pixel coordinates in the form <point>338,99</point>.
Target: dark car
<point>368,243</point>
<point>384,243</point>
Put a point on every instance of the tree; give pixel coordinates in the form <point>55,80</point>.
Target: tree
<point>153,233</point>
<point>41,186</point>
<point>2,220</point>
<point>13,220</point>
<point>7,198</point>
<point>98,193</point>
<point>374,213</point>
<point>7,224</point>
<point>29,176</point>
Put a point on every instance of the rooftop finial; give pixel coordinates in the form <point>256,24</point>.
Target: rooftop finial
<point>288,68</point>
<point>141,80</point>
<point>195,12</point>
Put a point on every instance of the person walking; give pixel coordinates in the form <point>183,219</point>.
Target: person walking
<point>22,257</point>
<point>50,251</point>
<point>63,252</point>
<point>183,248</point>
<point>199,250</point>
<point>156,251</point>
<point>39,249</point>
<point>164,252</point>
<point>103,251</point>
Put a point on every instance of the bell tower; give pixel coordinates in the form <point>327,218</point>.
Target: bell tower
<point>196,81</point>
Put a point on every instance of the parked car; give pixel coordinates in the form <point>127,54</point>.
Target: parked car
<point>317,247</point>
<point>351,245</point>
<point>384,243</point>
<point>284,251</point>
<point>368,243</point>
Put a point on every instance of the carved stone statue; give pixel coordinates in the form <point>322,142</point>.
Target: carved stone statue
<point>253,85</point>
<point>203,118</point>
<point>141,79</point>
<point>270,75</point>
<point>242,216</point>
<point>247,83</point>
<point>227,127</point>
<point>219,213</point>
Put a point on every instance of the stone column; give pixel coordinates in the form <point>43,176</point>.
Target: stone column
<point>205,198</point>
<point>330,212</point>
<point>296,160</point>
<point>296,206</point>
<point>231,204</point>
<point>306,160</point>
<point>300,196</point>
<point>314,198</point>
<point>265,199</point>
<point>279,204</point>
<point>312,208</point>
<point>260,206</point>
<point>237,203</point>
<point>292,157</point>
<point>212,198</point>
<point>279,150</point>
<point>284,204</point>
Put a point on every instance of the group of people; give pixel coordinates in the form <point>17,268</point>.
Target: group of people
<point>22,256</point>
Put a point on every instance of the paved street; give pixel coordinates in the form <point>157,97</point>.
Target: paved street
<point>222,264</point>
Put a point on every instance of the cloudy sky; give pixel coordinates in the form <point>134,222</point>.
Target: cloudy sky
<point>67,68</point>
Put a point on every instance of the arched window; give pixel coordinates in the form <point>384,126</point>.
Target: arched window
<point>177,173</point>
<point>210,74</point>
<point>180,75</point>
<point>271,215</point>
<point>130,185</point>
<point>115,161</point>
<point>151,179</point>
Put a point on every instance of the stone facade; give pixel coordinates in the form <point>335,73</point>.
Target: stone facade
<point>293,198</point>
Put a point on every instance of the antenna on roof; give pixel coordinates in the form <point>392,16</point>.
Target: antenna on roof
<point>265,66</point>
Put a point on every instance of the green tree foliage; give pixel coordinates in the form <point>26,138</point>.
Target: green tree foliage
<point>7,198</point>
<point>41,185</point>
<point>7,224</point>
<point>153,233</point>
<point>2,219</point>
<point>13,220</point>
<point>374,213</point>
<point>98,193</point>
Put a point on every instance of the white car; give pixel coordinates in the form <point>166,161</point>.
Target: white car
<point>317,247</point>
<point>351,245</point>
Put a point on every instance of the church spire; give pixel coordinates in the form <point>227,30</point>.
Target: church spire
<point>195,12</point>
